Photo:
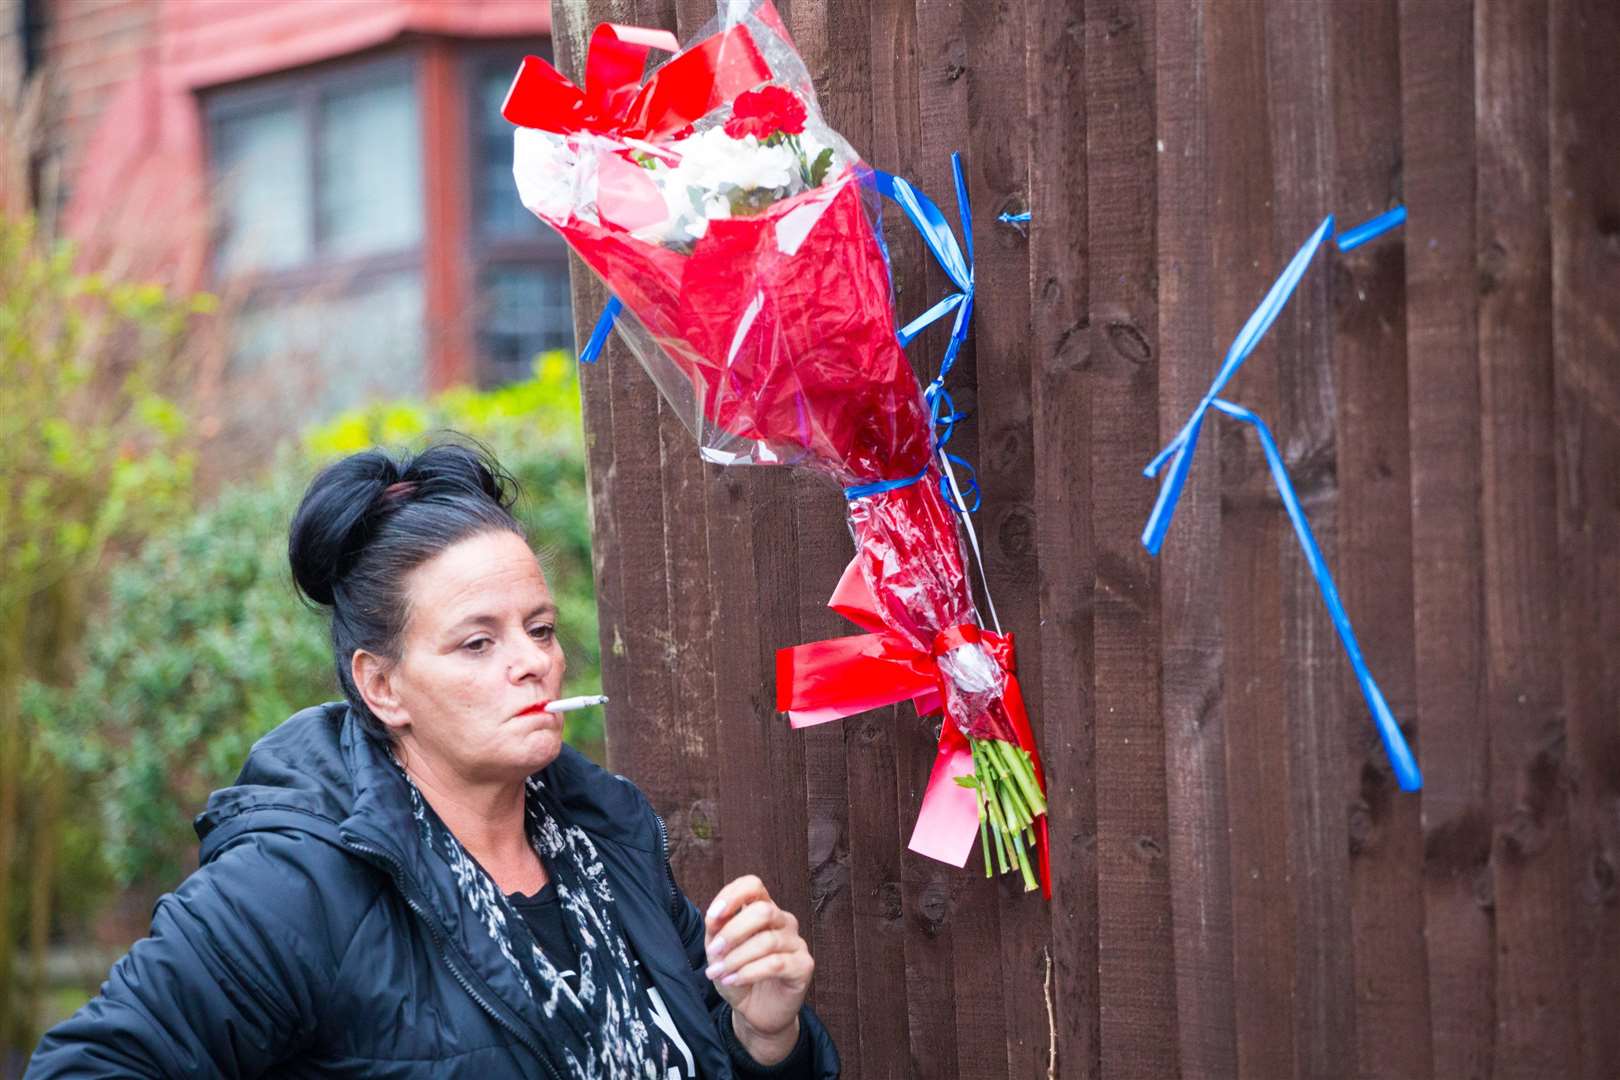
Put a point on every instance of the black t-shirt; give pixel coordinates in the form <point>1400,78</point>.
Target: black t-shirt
<point>544,915</point>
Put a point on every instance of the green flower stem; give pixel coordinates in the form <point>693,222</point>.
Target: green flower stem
<point>1009,800</point>
<point>1012,803</point>
<point>798,154</point>
<point>1021,768</point>
<point>1030,884</point>
<point>999,829</point>
<point>984,827</point>
<point>1011,809</point>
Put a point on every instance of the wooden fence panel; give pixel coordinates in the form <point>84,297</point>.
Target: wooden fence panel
<point>1585,183</point>
<point>1374,567</point>
<point>1437,119</point>
<point>1240,887</point>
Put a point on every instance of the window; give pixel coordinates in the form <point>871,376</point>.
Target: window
<point>319,201</point>
<point>522,279</point>
<point>324,234</point>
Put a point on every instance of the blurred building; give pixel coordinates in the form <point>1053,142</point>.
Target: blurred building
<point>337,169</point>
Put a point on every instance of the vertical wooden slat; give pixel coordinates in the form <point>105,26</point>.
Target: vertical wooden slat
<point>957,66</point>
<point>754,586</point>
<point>927,889</point>
<point>1061,351</point>
<point>996,158</point>
<point>1437,88</point>
<point>878,1033</point>
<point>1437,80</point>
<point>832,42</point>
<point>662,735</point>
<point>1524,701</point>
<point>872,57</point>
<point>1190,610</point>
<point>1136,981</point>
<point>687,750</point>
<point>1257,741</point>
<point>1297,62</point>
<point>569,33</point>
<point>1374,567</point>
<point>1585,189</point>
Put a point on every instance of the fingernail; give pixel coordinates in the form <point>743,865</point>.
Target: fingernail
<point>713,969</point>
<point>729,979</point>
<point>717,947</point>
<point>716,908</point>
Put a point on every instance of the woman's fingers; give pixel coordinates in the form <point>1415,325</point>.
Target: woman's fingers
<point>733,896</point>
<point>791,967</point>
<point>754,917</point>
<point>760,944</point>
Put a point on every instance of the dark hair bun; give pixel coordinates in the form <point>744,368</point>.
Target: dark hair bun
<point>349,499</point>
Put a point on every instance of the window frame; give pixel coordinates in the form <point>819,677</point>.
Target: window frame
<point>452,253</point>
<point>543,250</point>
<point>304,89</point>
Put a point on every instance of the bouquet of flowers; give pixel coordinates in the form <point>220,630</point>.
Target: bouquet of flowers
<point>741,236</point>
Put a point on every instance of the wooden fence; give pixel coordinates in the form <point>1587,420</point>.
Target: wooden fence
<point>1240,888</point>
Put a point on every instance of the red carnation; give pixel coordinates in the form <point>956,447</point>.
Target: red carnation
<point>763,112</point>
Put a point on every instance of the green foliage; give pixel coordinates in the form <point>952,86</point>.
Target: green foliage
<point>94,453</point>
<point>201,646</point>
<point>91,448</point>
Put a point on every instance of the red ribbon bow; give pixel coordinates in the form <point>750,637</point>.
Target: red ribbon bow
<point>829,680</point>
<point>615,102</point>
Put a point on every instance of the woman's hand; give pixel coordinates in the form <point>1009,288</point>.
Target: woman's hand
<point>760,965</point>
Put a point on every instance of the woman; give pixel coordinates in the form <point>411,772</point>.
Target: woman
<point>423,880</point>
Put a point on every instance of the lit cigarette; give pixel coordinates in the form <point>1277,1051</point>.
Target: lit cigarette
<point>569,704</point>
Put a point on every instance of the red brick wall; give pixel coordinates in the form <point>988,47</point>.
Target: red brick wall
<point>208,42</point>
<point>125,132</point>
<point>91,48</point>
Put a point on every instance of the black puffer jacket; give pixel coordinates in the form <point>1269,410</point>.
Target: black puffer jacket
<point>318,939</point>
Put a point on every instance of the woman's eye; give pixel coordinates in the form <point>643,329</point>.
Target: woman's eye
<point>543,632</point>
<point>475,645</point>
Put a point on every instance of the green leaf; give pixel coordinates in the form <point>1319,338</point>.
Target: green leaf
<point>818,169</point>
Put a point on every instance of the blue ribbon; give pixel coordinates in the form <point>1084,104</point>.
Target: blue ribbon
<point>1013,219</point>
<point>599,335</point>
<point>941,243</point>
<point>1351,239</point>
<point>1179,452</point>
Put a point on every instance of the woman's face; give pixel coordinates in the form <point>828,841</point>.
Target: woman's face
<point>480,646</point>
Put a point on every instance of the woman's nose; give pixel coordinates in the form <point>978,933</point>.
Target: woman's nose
<point>534,661</point>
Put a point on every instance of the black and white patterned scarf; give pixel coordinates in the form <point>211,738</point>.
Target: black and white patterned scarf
<point>603,1030</point>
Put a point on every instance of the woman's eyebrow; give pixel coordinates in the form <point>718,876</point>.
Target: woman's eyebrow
<point>547,608</point>
<point>473,620</point>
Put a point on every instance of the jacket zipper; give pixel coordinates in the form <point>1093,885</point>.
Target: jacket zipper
<point>669,871</point>
<point>397,873</point>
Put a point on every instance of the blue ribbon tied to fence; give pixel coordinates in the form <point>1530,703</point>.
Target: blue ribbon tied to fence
<point>1178,456</point>
<point>956,260</point>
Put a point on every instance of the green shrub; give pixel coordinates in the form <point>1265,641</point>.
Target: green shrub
<point>202,646</point>
<point>95,373</point>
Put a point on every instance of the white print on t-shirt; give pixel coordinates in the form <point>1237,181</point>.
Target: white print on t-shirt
<point>666,1024</point>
